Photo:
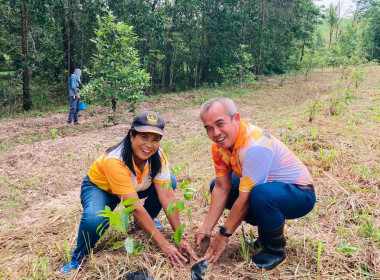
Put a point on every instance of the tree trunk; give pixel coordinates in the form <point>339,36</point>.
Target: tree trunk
<point>303,49</point>
<point>331,31</point>
<point>71,38</point>
<point>27,104</point>
<point>65,39</point>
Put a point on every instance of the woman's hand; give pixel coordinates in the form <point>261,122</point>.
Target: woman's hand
<point>185,246</point>
<point>172,254</point>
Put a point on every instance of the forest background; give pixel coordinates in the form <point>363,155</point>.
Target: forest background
<point>181,44</point>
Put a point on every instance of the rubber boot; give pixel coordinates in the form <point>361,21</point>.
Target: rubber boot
<point>273,253</point>
<point>258,244</point>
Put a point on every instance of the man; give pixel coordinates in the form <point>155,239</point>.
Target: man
<point>258,178</point>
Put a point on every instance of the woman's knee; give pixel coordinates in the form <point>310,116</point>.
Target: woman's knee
<point>173,180</point>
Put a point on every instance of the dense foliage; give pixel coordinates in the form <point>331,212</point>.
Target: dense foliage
<point>182,44</point>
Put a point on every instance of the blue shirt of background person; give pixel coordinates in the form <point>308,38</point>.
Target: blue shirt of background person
<point>74,82</point>
<point>74,85</point>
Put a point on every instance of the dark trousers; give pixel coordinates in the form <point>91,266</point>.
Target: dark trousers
<point>73,113</point>
<point>272,203</point>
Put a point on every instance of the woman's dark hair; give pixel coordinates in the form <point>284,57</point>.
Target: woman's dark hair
<point>126,154</point>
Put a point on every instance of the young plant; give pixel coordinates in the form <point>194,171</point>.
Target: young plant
<point>120,222</point>
<point>244,248</point>
<point>43,263</point>
<point>179,204</point>
<point>53,133</point>
<point>320,245</point>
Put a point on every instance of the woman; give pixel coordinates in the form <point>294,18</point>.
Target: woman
<point>74,85</point>
<point>134,168</point>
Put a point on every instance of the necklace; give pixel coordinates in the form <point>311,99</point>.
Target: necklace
<point>141,166</point>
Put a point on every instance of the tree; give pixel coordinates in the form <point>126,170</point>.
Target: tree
<point>27,104</point>
<point>332,20</point>
<point>116,73</point>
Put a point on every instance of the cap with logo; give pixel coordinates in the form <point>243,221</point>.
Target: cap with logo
<point>149,121</point>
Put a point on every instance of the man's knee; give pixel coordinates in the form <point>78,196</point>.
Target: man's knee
<point>212,185</point>
<point>259,196</point>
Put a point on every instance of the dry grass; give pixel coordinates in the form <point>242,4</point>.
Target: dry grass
<point>40,177</point>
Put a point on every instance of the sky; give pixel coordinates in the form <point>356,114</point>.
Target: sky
<point>346,6</point>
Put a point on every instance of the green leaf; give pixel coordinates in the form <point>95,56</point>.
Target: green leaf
<point>177,236</point>
<point>359,189</point>
<point>125,218</point>
<point>171,207</point>
<point>129,201</point>
<point>129,209</point>
<point>117,244</point>
<point>180,206</point>
<point>129,245</point>
<point>137,247</point>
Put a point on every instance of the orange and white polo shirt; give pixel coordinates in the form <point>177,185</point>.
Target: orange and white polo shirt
<point>258,158</point>
<point>110,173</point>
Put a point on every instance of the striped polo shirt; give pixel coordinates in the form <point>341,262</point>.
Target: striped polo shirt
<point>258,158</point>
<point>110,173</point>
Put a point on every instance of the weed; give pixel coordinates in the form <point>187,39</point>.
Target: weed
<point>5,145</point>
<point>67,250</point>
<point>332,155</point>
<point>313,132</point>
<point>244,248</point>
<point>347,249</point>
<point>314,108</point>
<point>207,196</point>
<point>53,133</point>
<point>43,263</point>
<point>320,245</point>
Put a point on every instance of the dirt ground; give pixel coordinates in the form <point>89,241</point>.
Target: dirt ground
<point>43,161</point>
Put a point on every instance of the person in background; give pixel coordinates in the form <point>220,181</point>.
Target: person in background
<point>136,167</point>
<point>258,178</point>
<point>75,84</point>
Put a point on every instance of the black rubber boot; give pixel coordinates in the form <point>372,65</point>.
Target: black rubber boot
<point>273,253</point>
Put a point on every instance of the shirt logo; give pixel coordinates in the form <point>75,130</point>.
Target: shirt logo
<point>152,119</point>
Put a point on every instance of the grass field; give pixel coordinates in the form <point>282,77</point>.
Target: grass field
<point>331,125</point>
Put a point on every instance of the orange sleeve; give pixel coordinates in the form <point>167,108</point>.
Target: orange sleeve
<point>118,176</point>
<point>220,165</point>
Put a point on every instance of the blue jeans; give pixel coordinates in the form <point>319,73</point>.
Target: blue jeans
<point>73,113</point>
<point>272,203</point>
<point>93,200</point>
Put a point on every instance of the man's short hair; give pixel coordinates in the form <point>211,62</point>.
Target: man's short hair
<point>228,104</point>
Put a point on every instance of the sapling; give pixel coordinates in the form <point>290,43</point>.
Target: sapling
<point>120,222</point>
<point>179,204</point>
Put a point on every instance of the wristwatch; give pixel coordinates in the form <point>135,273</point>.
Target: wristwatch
<point>223,231</point>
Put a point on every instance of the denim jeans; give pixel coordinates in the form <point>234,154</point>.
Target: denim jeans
<point>93,200</point>
<point>73,113</point>
<point>272,203</point>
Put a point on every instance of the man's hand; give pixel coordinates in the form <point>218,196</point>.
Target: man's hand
<point>200,235</point>
<point>78,96</point>
<point>185,246</point>
<point>216,248</point>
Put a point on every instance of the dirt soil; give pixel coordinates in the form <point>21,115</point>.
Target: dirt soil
<point>43,161</point>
